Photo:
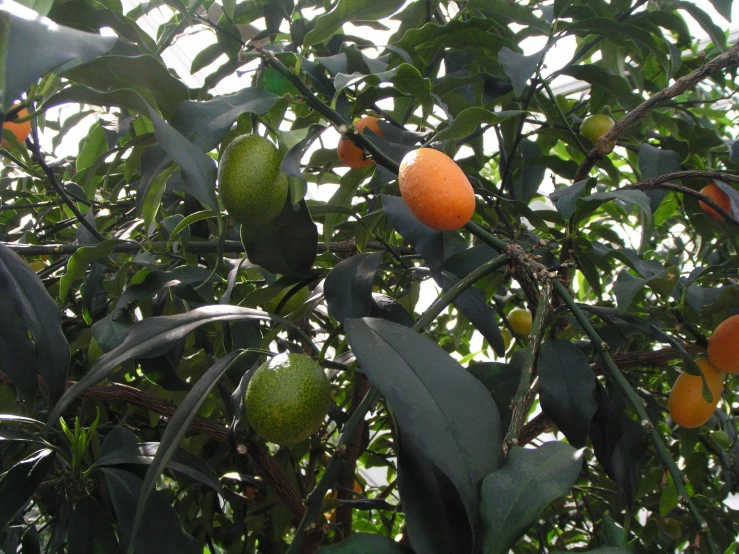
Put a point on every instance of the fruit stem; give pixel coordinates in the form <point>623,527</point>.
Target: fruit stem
<point>522,400</point>
<point>638,404</point>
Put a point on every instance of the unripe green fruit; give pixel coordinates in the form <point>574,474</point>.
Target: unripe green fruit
<point>292,304</point>
<point>94,351</point>
<point>596,126</point>
<point>287,399</point>
<point>252,188</point>
<point>722,438</point>
<point>520,321</point>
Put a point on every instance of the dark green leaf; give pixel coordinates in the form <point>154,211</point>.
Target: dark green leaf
<point>175,432</point>
<point>349,10</point>
<point>513,497</point>
<point>348,288</point>
<point>205,124</point>
<point>39,316</point>
<point>723,7</point>
<point>90,530</point>
<point>145,74</point>
<point>502,382</point>
<point>602,78</point>
<point>445,424</point>
<point>198,169</point>
<point>468,120</point>
<point>518,67</point>
<point>37,46</point>
<point>182,461</point>
<point>19,483</point>
<point>366,544</point>
<point>287,245</point>
<point>426,241</point>
<point>565,198</point>
<point>80,261</point>
<point>716,33</point>
<point>654,162</point>
<point>160,518</point>
<point>567,389</point>
<point>386,307</point>
<point>151,337</point>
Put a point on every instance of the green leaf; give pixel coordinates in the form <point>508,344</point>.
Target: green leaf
<point>81,260</point>
<point>349,10</point>
<point>454,430</point>
<point>723,7</point>
<point>151,337</point>
<point>468,121</point>
<point>363,543</point>
<point>175,432</point>
<point>654,162</point>
<point>588,204</point>
<point>19,483</point>
<point>31,313</point>
<point>519,68</point>
<point>513,497</point>
<point>600,78</point>
<point>567,389</point>
<point>348,288</point>
<point>510,10</point>
<point>38,46</point>
<point>90,530</point>
<point>288,244</point>
<point>41,7</point>
<point>145,74</point>
<point>716,33</point>
<point>160,518</point>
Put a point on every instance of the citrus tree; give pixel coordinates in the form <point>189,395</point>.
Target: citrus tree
<point>480,319</point>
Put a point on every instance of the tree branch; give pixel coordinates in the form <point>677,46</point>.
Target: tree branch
<point>607,142</point>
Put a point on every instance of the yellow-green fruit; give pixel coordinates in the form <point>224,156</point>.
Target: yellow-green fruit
<point>287,398</point>
<point>596,126</point>
<point>722,438</point>
<point>520,321</point>
<point>292,304</point>
<point>252,188</point>
<point>94,351</point>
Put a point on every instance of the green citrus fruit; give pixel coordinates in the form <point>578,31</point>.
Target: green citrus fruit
<point>287,398</point>
<point>252,188</point>
<point>292,304</point>
<point>520,321</point>
<point>94,351</point>
<point>722,438</point>
<point>596,126</point>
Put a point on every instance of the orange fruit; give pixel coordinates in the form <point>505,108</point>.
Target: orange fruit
<point>352,155</point>
<point>714,192</point>
<point>436,189</point>
<point>723,346</point>
<point>686,404</point>
<point>20,130</point>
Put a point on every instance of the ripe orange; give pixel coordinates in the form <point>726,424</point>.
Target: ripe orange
<point>723,346</point>
<point>352,155</point>
<point>717,195</point>
<point>436,189</point>
<point>686,404</point>
<point>20,130</point>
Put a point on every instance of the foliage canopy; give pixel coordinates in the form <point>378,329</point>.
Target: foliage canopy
<point>461,443</point>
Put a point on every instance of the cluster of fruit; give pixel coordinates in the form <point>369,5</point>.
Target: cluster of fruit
<point>687,405</point>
